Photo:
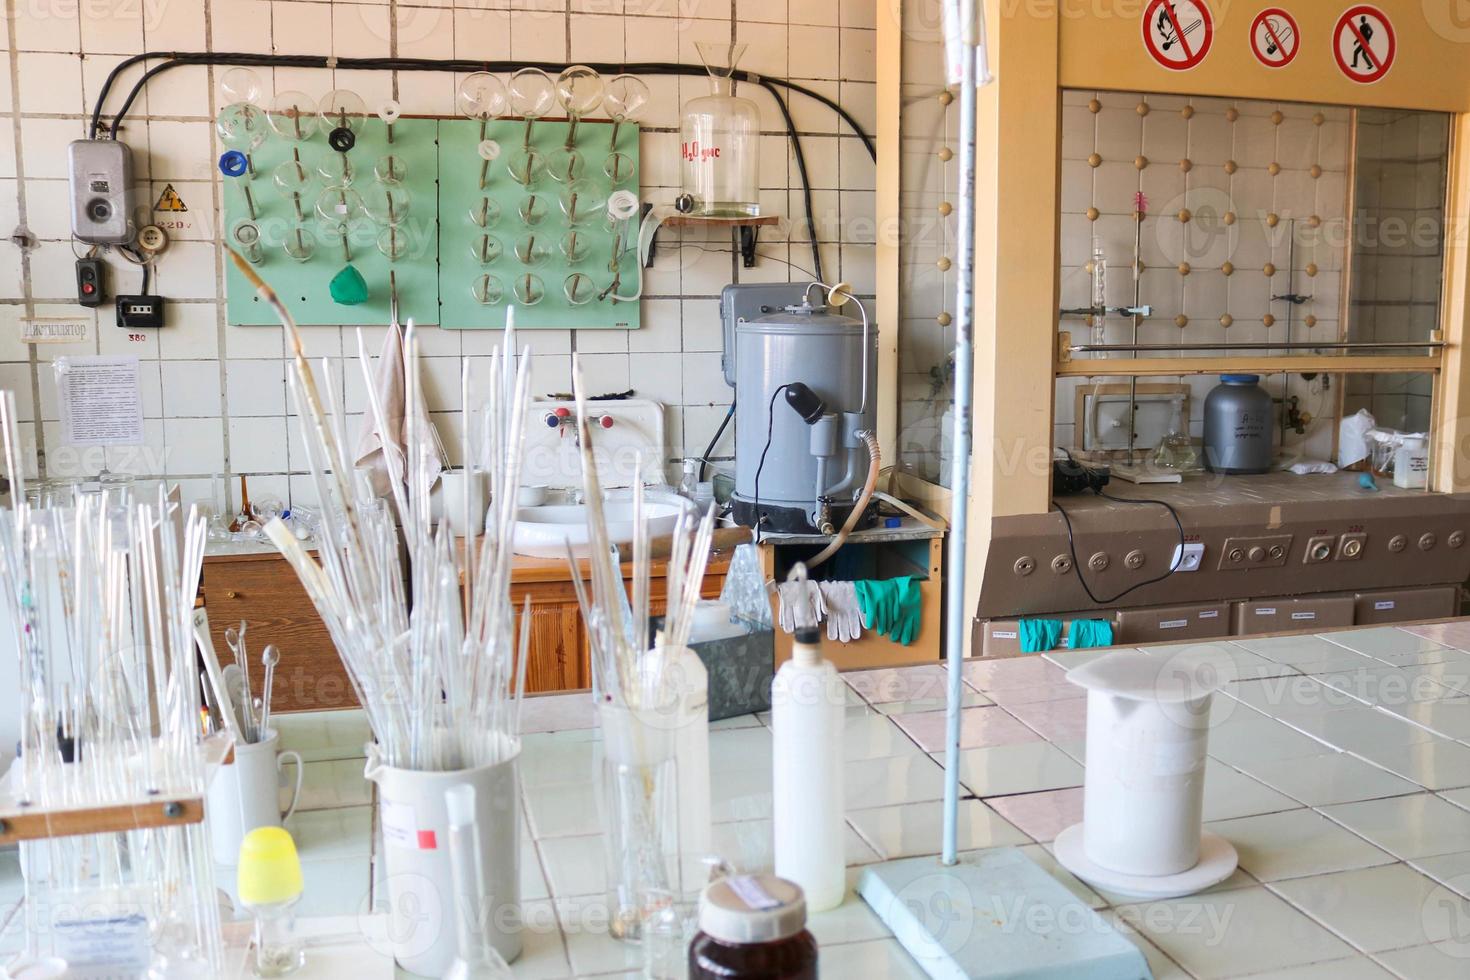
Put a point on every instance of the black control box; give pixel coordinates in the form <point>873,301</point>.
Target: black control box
<point>139,312</point>
<point>91,281</point>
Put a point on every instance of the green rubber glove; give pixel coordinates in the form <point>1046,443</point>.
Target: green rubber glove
<point>908,611</point>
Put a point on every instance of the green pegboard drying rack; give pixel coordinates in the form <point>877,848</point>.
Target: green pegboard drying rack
<point>304,285</point>
<point>436,279</point>
<point>547,200</point>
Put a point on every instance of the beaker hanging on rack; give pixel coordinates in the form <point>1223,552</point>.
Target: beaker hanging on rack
<point>721,141</point>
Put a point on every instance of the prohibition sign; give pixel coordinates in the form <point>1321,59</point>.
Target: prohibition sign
<point>1275,39</point>
<point>1364,44</point>
<point>1178,34</point>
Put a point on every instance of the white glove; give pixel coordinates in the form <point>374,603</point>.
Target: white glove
<point>844,618</point>
<point>801,605</point>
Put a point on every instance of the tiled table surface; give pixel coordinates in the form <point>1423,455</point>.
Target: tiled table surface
<point>1340,769</point>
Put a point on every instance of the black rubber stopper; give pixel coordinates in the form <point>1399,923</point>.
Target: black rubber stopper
<point>341,139</point>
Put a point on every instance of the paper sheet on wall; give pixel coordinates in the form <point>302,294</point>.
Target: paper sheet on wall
<point>101,401</point>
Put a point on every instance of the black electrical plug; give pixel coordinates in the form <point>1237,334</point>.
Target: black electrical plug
<point>805,402</point>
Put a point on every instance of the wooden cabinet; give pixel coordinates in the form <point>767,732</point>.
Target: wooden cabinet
<point>262,590</point>
<point>559,656</point>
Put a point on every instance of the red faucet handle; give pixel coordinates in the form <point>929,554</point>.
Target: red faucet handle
<point>606,421</point>
<point>562,412</point>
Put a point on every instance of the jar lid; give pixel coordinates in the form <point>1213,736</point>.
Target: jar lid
<point>1240,379</point>
<point>743,909</point>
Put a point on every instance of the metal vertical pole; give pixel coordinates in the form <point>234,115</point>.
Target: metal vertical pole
<point>964,398</point>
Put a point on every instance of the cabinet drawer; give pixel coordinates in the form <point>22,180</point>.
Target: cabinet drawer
<point>265,593</point>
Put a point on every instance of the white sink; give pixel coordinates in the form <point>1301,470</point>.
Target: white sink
<point>543,532</point>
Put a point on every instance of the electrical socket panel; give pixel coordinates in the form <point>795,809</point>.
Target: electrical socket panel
<point>1188,557</point>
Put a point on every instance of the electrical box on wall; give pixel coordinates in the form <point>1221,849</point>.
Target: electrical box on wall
<point>101,173</point>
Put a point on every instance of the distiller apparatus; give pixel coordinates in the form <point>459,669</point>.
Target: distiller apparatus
<point>806,455</point>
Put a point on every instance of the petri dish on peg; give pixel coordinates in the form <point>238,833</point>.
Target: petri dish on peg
<point>488,290</point>
<point>387,204</point>
<point>579,289</point>
<point>566,164</point>
<point>390,169</point>
<point>525,165</point>
<point>575,246</point>
<point>528,289</point>
<point>582,202</point>
<point>293,177</point>
<point>343,109</point>
<point>241,126</point>
<point>531,250</point>
<point>336,169</point>
<point>534,209</point>
<point>619,168</point>
<point>293,116</point>
<point>485,214</point>
<point>338,205</point>
<point>299,243</point>
<point>486,249</point>
<point>394,242</point>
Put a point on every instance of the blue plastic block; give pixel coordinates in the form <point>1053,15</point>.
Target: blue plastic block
<point>996,914</point>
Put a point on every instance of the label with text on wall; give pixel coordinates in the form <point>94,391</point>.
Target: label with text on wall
<point>55,330</point>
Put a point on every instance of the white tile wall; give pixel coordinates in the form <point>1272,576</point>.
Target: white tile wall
<point>1228,188</point>
<point>927,178</point>
<point>216,393</point>
<point>1398,255</point>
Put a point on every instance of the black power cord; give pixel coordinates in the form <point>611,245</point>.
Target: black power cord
<point>770,433</point>
<point>708,450</point>
<point>243,59</point>
<point>1076,564</point>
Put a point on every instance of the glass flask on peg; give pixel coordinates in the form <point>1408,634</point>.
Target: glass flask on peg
<point>293,116</point>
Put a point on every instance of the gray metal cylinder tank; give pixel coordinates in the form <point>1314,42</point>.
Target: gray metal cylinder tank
<point>824,351</point>
<point>1238,417</point>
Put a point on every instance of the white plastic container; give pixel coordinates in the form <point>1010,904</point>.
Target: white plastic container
<point>807,704</point>
<point>414,819</point>
<point>1411,463</point>
<point>1148,723</point>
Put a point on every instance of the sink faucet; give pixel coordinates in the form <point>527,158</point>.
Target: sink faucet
<point>563,420</point>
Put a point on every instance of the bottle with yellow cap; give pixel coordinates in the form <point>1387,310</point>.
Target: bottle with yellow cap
<point>269,882</point>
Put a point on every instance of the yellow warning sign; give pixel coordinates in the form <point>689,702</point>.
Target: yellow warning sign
<point>169,200</point>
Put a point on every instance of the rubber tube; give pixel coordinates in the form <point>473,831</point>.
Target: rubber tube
<point>874,463</point>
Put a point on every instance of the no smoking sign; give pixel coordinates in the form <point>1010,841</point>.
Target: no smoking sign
<point>1178,34</point>
<point>1275,39</point>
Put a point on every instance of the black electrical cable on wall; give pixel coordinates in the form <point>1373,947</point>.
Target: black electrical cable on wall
<point>174,59</point>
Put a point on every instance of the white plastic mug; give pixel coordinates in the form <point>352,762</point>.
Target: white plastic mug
<point>246,794</point>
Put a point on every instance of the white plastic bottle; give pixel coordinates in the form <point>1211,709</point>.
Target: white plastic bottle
<point>807,795</point>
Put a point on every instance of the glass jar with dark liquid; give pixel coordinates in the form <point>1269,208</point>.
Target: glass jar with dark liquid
<point>752,927</point>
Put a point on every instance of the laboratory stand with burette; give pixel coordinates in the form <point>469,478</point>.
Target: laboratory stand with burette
<point>942,909</point>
